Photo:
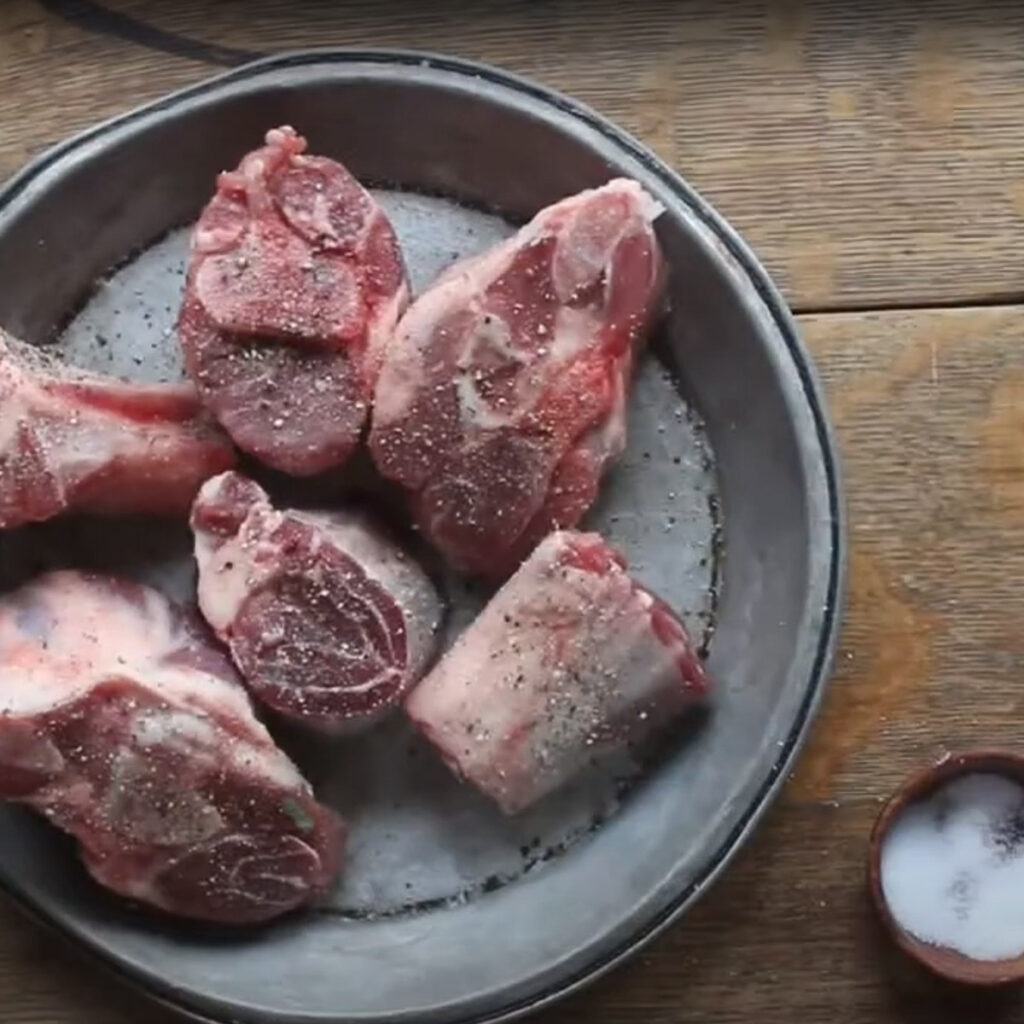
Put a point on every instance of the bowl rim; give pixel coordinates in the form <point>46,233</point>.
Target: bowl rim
<point>753,273</point>
<point>919,785</point>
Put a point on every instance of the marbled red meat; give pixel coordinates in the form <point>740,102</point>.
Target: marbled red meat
<point>329,621</point>
<point>503,393</point>
<point>73,441</point>
<point>295,283</point>
<point>125,725</point>
<point>571,659</point>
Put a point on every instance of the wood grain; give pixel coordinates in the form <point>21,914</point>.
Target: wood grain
<point>933,450</point>
<point>870,152</point>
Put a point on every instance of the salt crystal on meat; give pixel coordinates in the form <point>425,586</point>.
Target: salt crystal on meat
<point>571,659</point>
<point>145,748</point>
<point>502,397</point>
<point>329,619</point>
<point>295,267</point>
<point>77,441</point>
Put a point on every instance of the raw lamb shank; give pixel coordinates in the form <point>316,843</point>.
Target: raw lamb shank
<point>571,659</point>
<point>125,726</point>
<point>328,620</point>
<point>295,283</point>
<point>503,393</point>
<point>72,441</point>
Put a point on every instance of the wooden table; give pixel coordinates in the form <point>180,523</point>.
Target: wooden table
<point>873,155</point>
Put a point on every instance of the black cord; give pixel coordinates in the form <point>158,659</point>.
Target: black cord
<point>94,17</point>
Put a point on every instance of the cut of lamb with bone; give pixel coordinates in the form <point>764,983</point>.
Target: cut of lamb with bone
<point>123,723</point>
<point>73,441</point>
<point>571,659</point>
<point>295,283</point>
<point>328,620</point>
<point>503,393</point>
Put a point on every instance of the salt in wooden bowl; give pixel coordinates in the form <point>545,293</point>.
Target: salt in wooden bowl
<point>946,962</point>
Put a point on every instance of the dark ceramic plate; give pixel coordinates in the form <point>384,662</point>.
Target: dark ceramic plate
<point>727,502</point>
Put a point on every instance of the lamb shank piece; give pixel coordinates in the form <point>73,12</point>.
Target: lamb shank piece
<point>327,619</point>
<point>571,659</point>
<point>72,441</point>
<point>295,283</point>
<point>503,393</point>
<point>124,724</point>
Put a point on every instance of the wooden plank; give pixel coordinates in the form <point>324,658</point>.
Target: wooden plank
<point>929,409</point>
<point>870,152</point>
<point>872,157</point>
<point>44,981</point>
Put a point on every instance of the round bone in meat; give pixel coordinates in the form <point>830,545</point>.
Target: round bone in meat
<point>123,723</point>
<point>503,394</point>
<point>295,284</point>
<point>328,620</point>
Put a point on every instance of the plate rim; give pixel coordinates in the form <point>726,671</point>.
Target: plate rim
<point>766,290</point>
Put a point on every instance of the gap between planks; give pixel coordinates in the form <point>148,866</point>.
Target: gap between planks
<point>1007,301</point>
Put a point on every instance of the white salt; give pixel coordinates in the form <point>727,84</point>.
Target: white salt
<point>953,868</point>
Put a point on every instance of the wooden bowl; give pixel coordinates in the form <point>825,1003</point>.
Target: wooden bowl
<point>947,963</point>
